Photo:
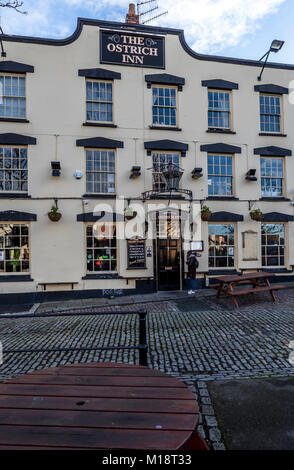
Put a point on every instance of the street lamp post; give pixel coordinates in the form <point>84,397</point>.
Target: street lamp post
<point>276,46</point>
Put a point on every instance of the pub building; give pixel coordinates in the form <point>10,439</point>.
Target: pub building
<point>128,113</point>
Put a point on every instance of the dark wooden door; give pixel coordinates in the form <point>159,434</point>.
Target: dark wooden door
<point>169,264</point>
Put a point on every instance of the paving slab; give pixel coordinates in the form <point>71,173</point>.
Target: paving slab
<point>255,414</point>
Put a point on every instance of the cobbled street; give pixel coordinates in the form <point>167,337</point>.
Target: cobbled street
<point>195,339</point>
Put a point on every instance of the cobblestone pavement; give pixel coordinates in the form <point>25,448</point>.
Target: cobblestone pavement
<point>196,340</point>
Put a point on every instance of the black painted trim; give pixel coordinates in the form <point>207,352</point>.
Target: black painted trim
<point>15,67</point>
<point>94,124</point>
<point>99,73</point>
<point>165,79</point>
<point>90,217</point>
<point>221,148</point>
<point>277,217</point>
<point>137,28</point>
<point>102,276</point>
<point>16,216</point>
<point>16,278</point>
<point>270,88</point>
<point>222,198</point>
<point>162,128</point>
<point>14,196</point>
<point>20,121</point>
<point>220,84</point>
<point>273,151</point>
<point>100,196</point>
<point>17,139</point>
<point>274,199</point>
<point>222,272</point>
<point>219,131</point>
<point>267,134</point>
<point>226,217</point>
<point>99,142</point>
<point>166,145</point>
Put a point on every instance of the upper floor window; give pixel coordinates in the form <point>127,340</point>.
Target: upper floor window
<point>220,175</point>
<point>100,171</point>
<point>14,248</point>
<point>99,101</point>
<point>164,106</point>
<point>101,247</point>
<point>221,240</point>
<point>13,169</point>
<point>12,96</point>
<point>270,113</point>
<point>160,162</point>
<point>219,109</point>
<point>271,170</point>
<point>273,244</point>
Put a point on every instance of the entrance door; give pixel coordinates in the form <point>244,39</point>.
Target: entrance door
<point>169,264</point>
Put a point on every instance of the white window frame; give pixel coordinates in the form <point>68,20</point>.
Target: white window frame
<point>100,171</point>
<point>282,178</point>
<point>210,154</point>
<point>2,96</point>
<point>20,273</point>
<point>4,170</point>
<point>166,153</point>
<point>215,110</point>
<point>92,248</point>
<point>170,87</point>
<point>284,246</point>
<point>272,95</point>
<point>228,246</point>
<point>92,80</point>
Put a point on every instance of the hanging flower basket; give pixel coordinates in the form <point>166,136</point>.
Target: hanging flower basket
<point>256,215</point>
<point>205,213</point>
<point>54,215</point>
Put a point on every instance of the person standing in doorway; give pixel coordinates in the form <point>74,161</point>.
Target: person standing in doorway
<point>192,263</point>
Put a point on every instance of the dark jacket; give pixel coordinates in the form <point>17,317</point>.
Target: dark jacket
<point>192,265</point>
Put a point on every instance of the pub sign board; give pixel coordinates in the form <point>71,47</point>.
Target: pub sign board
<point>136,254</point>
<point>137,50</point>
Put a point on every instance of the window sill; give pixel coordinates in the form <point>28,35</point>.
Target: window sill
<point>264,134</point>
<point>102,276</point>
<point>277,270</point>
<point>163,128</point>
<point>13,120</point>
<point>16,278</point>
<point>222,198</point>
<point>100,196</point>
<point>99,124</point>
<point>14,196</point>
<point>136,269</point>
<point>274,199</point>
<point>220,131</point>
<point>222,272</point>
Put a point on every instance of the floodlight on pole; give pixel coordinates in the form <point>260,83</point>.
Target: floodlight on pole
<point>276,46</point>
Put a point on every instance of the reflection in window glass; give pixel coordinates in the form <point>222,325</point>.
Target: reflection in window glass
<point>164,109</point>
<point>271,170</point>
<point>101,247</point>
<point>100,171</point>
<point>13,169</point>
<point>220,175</point>
<point>99,101</point>
<point>14,248</point>
<point>221,242</point>
<point>219,109</point>
<point>273,244</point>
<point>160,162</point>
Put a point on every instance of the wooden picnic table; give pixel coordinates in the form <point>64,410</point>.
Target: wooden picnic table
<point>98,406</point>
<point>259,282</point>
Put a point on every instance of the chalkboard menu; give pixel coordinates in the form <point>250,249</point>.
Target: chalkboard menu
<point>136,254</point>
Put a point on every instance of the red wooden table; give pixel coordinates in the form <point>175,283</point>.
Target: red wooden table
<point>98,406</point>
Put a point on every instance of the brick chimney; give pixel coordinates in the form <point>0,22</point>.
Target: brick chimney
<point>132,17</point>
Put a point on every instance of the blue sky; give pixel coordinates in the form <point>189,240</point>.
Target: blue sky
<point>236,28</point>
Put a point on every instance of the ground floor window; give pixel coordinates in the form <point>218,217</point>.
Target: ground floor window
<point>101,247</point>
<point>273,244</point>
<point>14,248</point>
<point>221,240</point>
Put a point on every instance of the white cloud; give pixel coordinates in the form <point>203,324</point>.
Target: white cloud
<point>210,25</point>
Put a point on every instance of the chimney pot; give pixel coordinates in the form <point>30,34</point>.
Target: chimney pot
<point>132,17</point>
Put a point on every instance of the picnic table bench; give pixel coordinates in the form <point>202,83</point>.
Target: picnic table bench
<point>98,406</point>
<point>259,282</point>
